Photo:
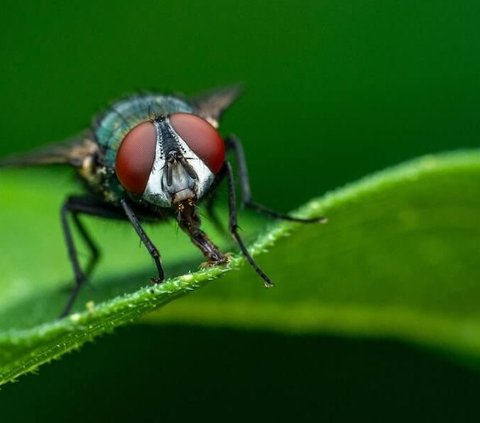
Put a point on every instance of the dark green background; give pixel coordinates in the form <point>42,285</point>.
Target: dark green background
<point>334,90</point>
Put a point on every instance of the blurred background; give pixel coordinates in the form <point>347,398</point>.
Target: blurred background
<point>334,90</point>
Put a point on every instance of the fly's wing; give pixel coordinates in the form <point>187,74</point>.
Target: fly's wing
<point>71,152</point>
<point>212,104</point>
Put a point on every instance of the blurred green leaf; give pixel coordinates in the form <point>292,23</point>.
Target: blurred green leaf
<point>399,258</point>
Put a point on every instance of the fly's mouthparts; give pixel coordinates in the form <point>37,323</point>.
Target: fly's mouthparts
<point>184,199</point>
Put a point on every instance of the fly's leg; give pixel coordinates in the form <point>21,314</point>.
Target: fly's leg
<point>189,222</point>
<point>94,251</point>
<point>233,225</point>
<point>80,277</point>
<point>234,144</point>
<point>86,205</point>
<point>75,206</point>
<point>145,239</point>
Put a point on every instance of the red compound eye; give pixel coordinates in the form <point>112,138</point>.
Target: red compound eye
<point>203,139</point>
<point>135,157</point>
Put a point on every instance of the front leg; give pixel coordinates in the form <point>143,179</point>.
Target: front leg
<point>145,240</point>
<point>189,221</point>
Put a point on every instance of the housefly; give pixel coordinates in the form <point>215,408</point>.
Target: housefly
<point>152,157</point>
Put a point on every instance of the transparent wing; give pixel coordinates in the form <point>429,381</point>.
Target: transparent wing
<point>212,104</point>
<point>71,152</point>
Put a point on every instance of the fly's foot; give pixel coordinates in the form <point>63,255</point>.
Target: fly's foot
<point>156,280</point>
<point>224,259</point>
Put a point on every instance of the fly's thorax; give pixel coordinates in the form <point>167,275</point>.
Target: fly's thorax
<point>170,159</point>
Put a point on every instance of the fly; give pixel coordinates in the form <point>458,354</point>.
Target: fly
<point>153,157</point>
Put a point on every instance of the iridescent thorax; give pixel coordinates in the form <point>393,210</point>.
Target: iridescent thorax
<point>121,117</point>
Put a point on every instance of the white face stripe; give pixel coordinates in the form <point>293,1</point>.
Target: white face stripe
<point>157,192</point>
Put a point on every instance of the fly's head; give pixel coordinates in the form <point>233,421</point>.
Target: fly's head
<point>170,161</point>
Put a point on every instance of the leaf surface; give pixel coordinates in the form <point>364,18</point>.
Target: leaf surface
<point>398,258</point>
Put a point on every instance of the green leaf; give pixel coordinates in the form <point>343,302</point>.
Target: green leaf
<point>399,258</point>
